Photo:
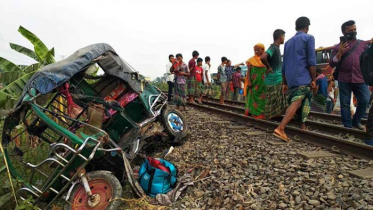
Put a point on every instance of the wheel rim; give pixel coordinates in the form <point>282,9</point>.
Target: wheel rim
<point>99,187</point>
<point>175,122</point>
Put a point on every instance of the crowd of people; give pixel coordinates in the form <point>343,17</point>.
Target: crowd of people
<point>276,84</point>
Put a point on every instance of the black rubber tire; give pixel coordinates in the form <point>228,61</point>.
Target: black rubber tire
<point>111,179</point>
<point>171,132</point>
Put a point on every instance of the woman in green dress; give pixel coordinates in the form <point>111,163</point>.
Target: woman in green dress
<point>254,85</point>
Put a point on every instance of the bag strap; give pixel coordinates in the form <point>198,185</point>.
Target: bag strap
<point>150,184</point>
<point>350,51</point>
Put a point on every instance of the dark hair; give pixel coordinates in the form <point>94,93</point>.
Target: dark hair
<point>223,59</point>
<point>199,60</point>
<point>302,23</point>
<point>238,69</point>
<point>278,33</point>
<point>195,53</point>
<point>179,55</point>
<point>207,59</point>
<point>170,56</point>
<point>228,61</point>
<point>348,23</point>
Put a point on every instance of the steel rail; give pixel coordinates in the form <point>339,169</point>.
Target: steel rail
<point>313,115</point>
<point>312,125</point>
<point>336,144</point>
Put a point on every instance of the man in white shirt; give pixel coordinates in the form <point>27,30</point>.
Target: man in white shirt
<point>206,78</point>
<point>170,78</point>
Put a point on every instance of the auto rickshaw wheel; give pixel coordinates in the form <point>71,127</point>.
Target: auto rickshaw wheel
<point>175,124</point>
<point>105,188</point>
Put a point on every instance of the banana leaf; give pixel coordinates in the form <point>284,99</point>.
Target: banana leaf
<point>10,76</point>
<point>10,94</point>
<point>49,57</point>
<point>32,67</point>
<point>7,65</point>
<point>39,47</point>
<point>24,50</point>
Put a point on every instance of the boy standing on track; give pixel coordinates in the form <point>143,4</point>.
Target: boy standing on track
<point>275,99</point>
<point>199,81</point>
<point>191,84</point>
<point>236,80</point>
<point>229,69</point>
<point>222,78</point>
<point>299,76</point>
<point>206,78</point>
<point>170,78</point>
<point>181,71</point>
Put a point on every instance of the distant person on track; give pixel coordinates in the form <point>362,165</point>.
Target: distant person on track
<point>299,76</point>
<point>222,78</point>
<point>229,69</point>
<point>199,81</point>
<point>345,57</point>
<point>320,93</point>
<point>236,80</point>
<point>181,71</point>
<point>170,78</point>
<point>254,84</point>
<point>207,78</point>
<point>332,98</point>
<point>275,99</point>
<point>191,83</point>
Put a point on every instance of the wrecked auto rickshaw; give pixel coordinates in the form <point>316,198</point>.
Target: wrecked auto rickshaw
<point>81,127</point>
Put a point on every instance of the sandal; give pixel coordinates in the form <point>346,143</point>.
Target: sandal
<point>278,135</point>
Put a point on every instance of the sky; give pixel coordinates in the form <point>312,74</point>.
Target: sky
<point>145,32</point>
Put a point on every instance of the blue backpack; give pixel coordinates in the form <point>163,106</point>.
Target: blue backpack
<point>157,176</point>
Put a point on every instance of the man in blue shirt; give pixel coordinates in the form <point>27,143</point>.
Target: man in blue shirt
<point>299,76</point>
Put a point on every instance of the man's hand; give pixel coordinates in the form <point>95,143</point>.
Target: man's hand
<point>269,70</point>
<point>284,89</point>
<point>334,101</point>
<point>343,47</point>
<point>209,84</point>
<point>313,85</point>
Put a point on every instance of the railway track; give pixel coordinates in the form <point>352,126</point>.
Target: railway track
<point>318,138</point>
<point>315,126</point>
<point>332,118</point>
<point>329,118</point>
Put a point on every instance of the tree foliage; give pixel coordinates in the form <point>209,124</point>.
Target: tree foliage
<point>14,77</point>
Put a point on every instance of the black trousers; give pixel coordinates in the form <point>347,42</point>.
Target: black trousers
<point>170,87</point>
<point>369,124</point>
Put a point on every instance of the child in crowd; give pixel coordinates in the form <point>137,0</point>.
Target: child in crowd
<point>206,78</point>
<point>236,80</point>
<point>331,100</point>
<point>319,100</point>
<point>199,81</point>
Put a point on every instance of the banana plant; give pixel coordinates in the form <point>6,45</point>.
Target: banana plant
<point>15,76</point>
